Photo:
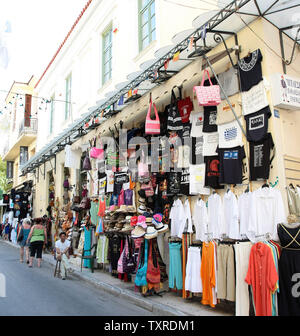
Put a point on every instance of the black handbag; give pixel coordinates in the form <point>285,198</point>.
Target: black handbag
<point>21,236</point>
<point>129,264</point>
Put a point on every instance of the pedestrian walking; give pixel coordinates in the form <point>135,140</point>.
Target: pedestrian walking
<point>6,229</point>
<point>37,238</point>
<point>22,239</point>
<point>62,253</point>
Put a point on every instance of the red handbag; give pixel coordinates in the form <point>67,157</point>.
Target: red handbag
<point>153,271</point>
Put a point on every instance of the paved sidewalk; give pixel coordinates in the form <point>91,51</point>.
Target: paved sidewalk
<point>170,304</point>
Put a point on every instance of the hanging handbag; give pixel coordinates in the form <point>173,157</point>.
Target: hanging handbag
<point>66,184</point>
<point>87,162</point>
<point>153,272</point>
<point>129,264</point>
<point>208,95</point>
<point>152,126</point>
<point>120,267</point>
<point>148,188</point>
<point>21,235</point>
<point>185,107</point>
<point>141,274</point>
<point>96,153</point>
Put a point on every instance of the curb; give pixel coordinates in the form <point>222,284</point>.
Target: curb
<point>157,308</point>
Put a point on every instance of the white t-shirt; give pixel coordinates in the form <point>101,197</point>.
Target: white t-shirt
<point>255,99</point>
<point>266,211</point>
<point>72,157</point>
<point>109,181</point>
<point>200,220</point>
<point>197,180</point>
<point>196,120</point>
<point>215,216</point>
<point>244,201</point>
<point>231,216</point>
<point>62,245</point>
<point>230,135</point>
<point>210,143</point>
<point>229,82</point>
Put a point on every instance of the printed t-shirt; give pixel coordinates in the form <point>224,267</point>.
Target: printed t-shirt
<point>229,82</point>
<point>250,70</point>
<point>196,120</point>
<point>230,135</point>
<point>231,165</point>
<point>210,143</point>
<point>210,119</point>
<point>212,172</point>
<point>260,160</point>
<point>185,181</point>
<point>257,124</point>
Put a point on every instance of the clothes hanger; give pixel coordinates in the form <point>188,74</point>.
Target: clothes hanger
<point>291,186</point>
<point>265,185</point>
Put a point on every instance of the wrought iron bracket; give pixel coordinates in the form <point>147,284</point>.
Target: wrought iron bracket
<point>285,61</point>
<point>218,37</point>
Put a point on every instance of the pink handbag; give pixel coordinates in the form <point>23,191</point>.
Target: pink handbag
<point>208,95</point>
<point>96,153</point>
<point>152,126</point>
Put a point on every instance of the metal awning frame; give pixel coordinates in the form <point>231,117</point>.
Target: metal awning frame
<point>76,128</point>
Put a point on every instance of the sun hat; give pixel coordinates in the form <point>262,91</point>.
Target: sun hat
<point>131,209</point>
<point>122,209</point>
<point>137,232</point>
<point>127,227</point>
<point>134,220</point>
<point>151,233</point>
<point>157,222</point>
<point>142,222</point>
<point>142,209</point>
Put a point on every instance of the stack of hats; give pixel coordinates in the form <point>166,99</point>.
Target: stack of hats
<point>140,228</point>
<point>127,227</point>
<point>149,227</point>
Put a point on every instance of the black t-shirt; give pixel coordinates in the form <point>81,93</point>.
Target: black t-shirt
<point>210,119</point>
<point>260,160</point>
<point>185,181</point>
<point>197,150</point>
<point>174,182</point>
<point>212,172</point>
<point>250,70</point>
<point>231,165</point>
<point>119,179</point>
<point>257,124</point>
<point>186,130</point>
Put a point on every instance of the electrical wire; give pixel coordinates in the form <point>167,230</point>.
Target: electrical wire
<point>264,42</point>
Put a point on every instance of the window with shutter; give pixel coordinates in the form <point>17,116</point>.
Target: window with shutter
<point>9,169</point>
<point>23,155</point>
<point>147,23</point>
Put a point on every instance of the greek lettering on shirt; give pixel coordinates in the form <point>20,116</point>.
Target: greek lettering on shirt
<point>258,156</point>
<point>257,122</point>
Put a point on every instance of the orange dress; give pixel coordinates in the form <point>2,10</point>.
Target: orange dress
<point>208,275</point>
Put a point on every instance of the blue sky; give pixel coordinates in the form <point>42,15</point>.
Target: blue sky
<point>31,31</point>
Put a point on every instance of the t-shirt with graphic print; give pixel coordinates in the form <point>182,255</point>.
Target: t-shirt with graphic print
<point>230,135</point>
<point>212,172</point>
<point>250,70</point>
<point>231,165</point>
<point>260,160</point>
<point>210,119</point>
<point>196,120</point>
<point>257,124</point>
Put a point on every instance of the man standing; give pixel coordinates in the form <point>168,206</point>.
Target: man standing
<point>62,253</point>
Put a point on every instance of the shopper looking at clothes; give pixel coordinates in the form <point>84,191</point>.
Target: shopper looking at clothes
<point>37,238</point>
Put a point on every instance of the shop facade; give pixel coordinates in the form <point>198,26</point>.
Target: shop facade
<point>180,230</point>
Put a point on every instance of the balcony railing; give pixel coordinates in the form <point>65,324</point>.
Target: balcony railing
<point>28,126</point>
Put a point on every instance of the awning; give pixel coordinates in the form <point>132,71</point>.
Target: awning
<point>229,20</point>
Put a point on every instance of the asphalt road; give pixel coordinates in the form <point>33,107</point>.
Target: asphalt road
<point>35,292</point>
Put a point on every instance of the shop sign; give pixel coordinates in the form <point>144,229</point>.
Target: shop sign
<point>286,91</point>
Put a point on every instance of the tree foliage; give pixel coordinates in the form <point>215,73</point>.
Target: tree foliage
<point>3,180</point>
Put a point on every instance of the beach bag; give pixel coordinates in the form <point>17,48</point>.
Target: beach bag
<point>120,268</point>
<point>152,126</point>
<point>129,264</point>
<point>140,278</point>
<point>96,153</point>
<point>153,272</point>
<point>208,95</point>
<point>86,162</point>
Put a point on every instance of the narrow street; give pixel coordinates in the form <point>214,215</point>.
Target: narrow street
<point>35,292</point>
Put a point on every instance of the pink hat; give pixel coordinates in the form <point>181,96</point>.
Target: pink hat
<point>142,222</point>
